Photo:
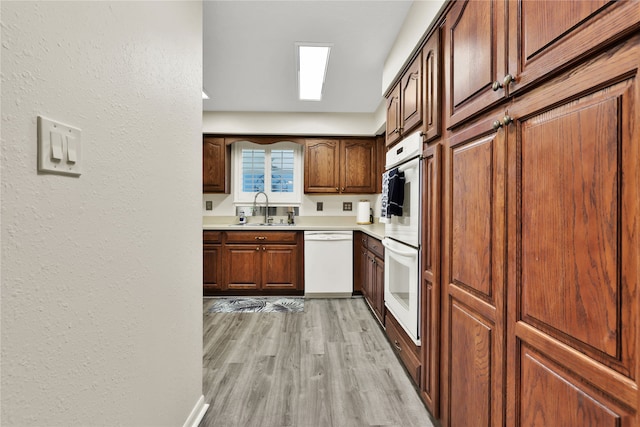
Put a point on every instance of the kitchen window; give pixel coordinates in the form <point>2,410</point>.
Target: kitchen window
<point>275,169</point>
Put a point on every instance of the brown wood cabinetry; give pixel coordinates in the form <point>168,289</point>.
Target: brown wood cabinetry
<point>406,350</point>
<point>573,311</point>
<point>476,36</point>
<point>211,260</point>
<point>405,103</point>
<point>216,158</point>
<point>341,166</point>
<point>394,120</point>
<point>531,204</point>
<point>430,281</point>
<point>431,90</point>
<point>256,263</point>
<point>372,273</point>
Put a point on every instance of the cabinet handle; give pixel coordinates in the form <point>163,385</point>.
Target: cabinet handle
<point>507,120</point>
<point>397,345</point>
<point>497,125</point>
<point>342,188</point>
<point>258,248</point>
<point>337,189</point>
<point>496,86</point>
<point>263,248</point>
<point>261,238</point>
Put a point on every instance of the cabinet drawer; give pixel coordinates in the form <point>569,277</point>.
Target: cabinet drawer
<point>261,237</point>
<point>404,348</point>
<point>211,236</point>
<point>375,246</point>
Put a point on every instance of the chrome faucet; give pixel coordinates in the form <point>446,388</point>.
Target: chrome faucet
<point>266,207</point>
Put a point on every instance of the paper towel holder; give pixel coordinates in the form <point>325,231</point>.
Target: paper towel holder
<point>363,216</point>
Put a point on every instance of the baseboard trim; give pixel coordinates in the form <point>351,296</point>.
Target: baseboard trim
<point>197,413</point>
<point>328,295</point>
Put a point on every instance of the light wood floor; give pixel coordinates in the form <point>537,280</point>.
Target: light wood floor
<point>330,366</point>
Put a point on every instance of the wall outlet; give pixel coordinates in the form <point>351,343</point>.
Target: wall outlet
<point>319,206</point>
<point>347,206</point>
<point>208,205</point>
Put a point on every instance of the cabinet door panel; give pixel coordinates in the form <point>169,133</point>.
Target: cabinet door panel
<point>243,266</point>
<point>411,97</point>
<point>321,166</point>
<point>430,292</point>
<point>470,381</point>
<point>431,87</point>
<point>554,390</point>
<point>473,276</point>
<point>212,267</point>
<point>358,166</point>
<point>475,39</point>
<point>547,35</point>
<point>472,204</point>
<point>214,165</point>
<point>393,116</point>
<point>279,266</point>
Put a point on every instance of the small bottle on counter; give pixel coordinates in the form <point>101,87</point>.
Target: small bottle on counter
<point>370,216</point>
<point>242,219</point>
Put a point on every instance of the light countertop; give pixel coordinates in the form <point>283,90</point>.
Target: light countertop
<point>302,223</point>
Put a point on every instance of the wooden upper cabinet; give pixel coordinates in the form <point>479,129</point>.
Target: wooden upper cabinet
<point>340,166</point>
<point>411,97</point>
<point>405,103</point>
<point>216,158</point>
<point>321,166</point>
<point>393,116</point>
<point>475,48</point>
<point>431,88</point>
<point>358,166</point>
<point>547,35</point>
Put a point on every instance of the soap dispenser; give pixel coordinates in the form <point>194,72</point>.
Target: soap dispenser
<point>242,219</point>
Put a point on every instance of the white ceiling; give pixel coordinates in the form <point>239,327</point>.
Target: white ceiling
<point>249,52</point>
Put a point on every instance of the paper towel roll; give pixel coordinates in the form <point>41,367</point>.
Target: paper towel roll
<point>362,216</point>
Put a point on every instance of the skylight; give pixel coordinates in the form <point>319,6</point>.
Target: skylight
<point>312,68</point>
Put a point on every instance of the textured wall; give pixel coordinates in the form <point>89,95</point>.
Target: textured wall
<point>101,274</point>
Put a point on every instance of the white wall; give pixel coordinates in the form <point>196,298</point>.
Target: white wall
<point>265,123</point>
<point>101,275</point>
<point>419,18</point>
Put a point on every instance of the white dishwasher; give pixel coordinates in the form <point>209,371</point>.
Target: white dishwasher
<point>328,264</point>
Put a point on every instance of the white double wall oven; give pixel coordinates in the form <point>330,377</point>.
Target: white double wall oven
<point>402,239</point>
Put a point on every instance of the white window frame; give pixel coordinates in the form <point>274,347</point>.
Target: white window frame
<point>275,199</point>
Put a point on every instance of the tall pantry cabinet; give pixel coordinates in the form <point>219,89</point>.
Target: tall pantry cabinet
<point>531,204</point>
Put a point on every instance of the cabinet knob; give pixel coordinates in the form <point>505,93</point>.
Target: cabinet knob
<point>337,189</point>
<point>507,120</point>
<point>258,248</point>
<point>261,238</point>
<point>263,248</point>
<point>342,188</point>
<point>506,81</point>
<point>497,125</point>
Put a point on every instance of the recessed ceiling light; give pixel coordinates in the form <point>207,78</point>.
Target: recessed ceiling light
<point>204,95</point>
<point>313,59</point>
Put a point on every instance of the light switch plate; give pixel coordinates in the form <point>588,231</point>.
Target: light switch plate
<point>59,148</point>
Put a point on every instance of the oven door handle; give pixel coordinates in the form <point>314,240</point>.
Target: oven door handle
<point>396,251</point>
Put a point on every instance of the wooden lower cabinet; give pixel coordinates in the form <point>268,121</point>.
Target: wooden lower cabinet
<point>405,348</point>
<point>211,261</point>
<point>372,274</point>
<point>258,263</point>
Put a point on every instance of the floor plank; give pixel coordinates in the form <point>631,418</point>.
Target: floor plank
<point>330,366</point>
